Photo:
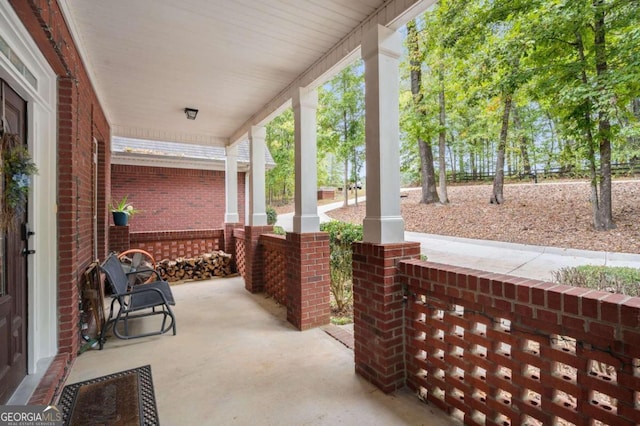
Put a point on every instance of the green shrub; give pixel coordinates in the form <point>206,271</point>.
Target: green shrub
<point>341,236</point>
<point>279,230</point>
<point>613,279</point>
<point>272,216</point>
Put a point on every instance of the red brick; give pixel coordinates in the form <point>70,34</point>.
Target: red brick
<point>610,307</point>
<point>630,312</point>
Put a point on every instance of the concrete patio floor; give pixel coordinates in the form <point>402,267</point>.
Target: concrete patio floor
<point>236,360</point>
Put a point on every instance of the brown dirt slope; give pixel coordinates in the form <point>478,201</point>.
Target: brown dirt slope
<point>549,214</point>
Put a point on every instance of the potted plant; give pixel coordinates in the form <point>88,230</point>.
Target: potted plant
<point>121,212</point>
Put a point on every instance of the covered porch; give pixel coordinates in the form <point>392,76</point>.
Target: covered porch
<point>236,360</point>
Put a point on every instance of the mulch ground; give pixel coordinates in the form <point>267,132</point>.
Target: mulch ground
<point>549,214</point>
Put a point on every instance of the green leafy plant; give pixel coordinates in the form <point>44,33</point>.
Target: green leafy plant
<point>604,278</point>
<point>272,216</point>
<point>17,168</point>
<point>279,230</point>
<point>341,237</point>
<point>124,207</point>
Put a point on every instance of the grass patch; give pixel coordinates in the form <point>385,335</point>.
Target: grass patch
<point>341,320</point>
<point>613,279</point>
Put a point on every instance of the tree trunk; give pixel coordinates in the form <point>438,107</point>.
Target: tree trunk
<point>354,164</point>
<point>345,135</point>
<point>429,193</point>
<point>524,143</point>
<point>590,141</point>
<point>442,141</point>
<point>472,161</point>
<point>345,187</point>
<point>428,177</point>
<point>498,181</point>
<point>605,210</point>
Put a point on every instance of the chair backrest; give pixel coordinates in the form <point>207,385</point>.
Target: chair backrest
<point>115,274</point>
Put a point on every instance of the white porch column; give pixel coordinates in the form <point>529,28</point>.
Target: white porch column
<point>231,185</point>
<point>305,218</point>
<point>257,203</point>
<point>381,49</point>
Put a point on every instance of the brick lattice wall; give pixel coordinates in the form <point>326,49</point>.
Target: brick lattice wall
<point>496,349</point>
<point>174,244</point>
<point>170,199</point>
<point>238,236</point>
<point>275,249</point>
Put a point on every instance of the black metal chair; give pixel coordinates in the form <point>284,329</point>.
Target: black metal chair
<point>139,301</point>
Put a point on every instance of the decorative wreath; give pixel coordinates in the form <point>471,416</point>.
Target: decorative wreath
<point>16,170</point>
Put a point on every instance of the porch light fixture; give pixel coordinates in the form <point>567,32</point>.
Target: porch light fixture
<point>191,113</point>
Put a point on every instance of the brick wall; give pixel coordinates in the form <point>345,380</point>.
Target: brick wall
<point>173,199</point>
<point>294,270</point>
<point>497,349</point>
<point>80,120</point>
<point>253,257</point>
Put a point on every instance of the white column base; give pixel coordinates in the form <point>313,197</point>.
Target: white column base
<point>258,219</point>
<point>231,218</point>
<point>306,223</point>
<point>383,230</point>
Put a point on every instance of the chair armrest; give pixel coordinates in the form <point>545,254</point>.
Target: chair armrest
<point>140,289</point>
<point>163,286</point>
<point>140,271</point>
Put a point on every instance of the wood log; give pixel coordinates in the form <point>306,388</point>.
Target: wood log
<point>205,266</point>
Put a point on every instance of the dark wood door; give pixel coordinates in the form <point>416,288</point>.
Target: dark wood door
<point>13,268</point>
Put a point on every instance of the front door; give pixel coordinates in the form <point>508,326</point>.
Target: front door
<point>13,266</point>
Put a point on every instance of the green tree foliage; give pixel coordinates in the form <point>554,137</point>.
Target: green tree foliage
<point>341,121</point>
<point>535,85</point>
<point>280,181</point>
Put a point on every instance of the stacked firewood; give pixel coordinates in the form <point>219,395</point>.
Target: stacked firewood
<point>205,266</point>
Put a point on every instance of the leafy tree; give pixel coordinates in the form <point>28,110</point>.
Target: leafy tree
<point>280,181</point>
<point>413,123</point>
<point>543,81</point>
<point>585,65</point>
<point>341,121</point>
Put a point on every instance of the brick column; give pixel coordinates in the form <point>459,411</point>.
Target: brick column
<point>308,280</point>
<point>254,262</point>
<point>229,242</point>
<point>378,312</point>
<point>119,238</point>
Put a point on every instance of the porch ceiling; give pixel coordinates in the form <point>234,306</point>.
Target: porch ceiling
<point>235,61</point>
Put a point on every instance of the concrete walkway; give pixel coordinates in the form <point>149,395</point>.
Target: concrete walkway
<point>522,260</point>
<point>237,361</point>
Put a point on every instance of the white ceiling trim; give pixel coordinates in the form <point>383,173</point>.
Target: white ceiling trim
<point>393,14</point>
<point>168,136</point>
